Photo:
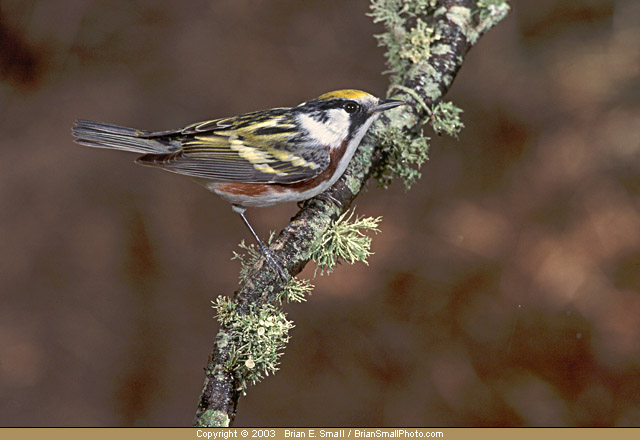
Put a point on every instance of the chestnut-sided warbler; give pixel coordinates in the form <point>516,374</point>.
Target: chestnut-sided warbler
<point>257,159</point>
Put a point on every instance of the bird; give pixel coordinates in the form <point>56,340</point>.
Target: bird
<point>257,159</point>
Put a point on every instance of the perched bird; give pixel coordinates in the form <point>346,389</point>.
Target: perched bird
<point>257,159</point>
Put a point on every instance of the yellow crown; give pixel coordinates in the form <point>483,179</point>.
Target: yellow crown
<point>344,94</point>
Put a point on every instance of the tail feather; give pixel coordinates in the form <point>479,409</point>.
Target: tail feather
<point>102,135</point>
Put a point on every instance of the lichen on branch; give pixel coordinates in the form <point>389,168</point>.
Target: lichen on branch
<point>254,341</point>
<point>407,37</point>
<point>344,240</point>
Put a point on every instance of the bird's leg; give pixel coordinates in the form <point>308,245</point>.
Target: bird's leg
<point>268,255</point>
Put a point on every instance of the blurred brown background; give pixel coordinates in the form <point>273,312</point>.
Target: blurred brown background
<point>505,286</point>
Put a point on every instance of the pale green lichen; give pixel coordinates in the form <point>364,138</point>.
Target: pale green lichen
<point>445,117</point>
<point>487,14</point>
<point>461,16</point>
<point>353,183</point>
<point>441,49</point>
<point>296,290</point>
<point>213,418</point>
<point>254,341</point>
<point>402,155</point>
<point>344,240</point>
<point>490,12</point>
<point>222,340</point>
<point>225,314</point>
<point>406,44</point>
<point>418,42</point>
<point>249,257</point>
<point>431,88</point>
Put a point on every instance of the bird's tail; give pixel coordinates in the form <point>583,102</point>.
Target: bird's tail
<point>101,135</point>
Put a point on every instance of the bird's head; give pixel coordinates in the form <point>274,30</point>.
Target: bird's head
<point>341,115</point>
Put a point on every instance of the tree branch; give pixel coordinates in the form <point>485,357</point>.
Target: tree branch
<point>457,25</point>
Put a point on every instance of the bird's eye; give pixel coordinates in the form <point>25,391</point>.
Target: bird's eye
<point>351,107</point>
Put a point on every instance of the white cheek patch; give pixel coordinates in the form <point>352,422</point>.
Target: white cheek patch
<point>330,133</point>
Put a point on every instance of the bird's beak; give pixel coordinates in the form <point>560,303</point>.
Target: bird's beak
<point>386,104</point>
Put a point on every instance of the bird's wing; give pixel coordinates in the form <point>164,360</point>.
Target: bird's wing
<point>261,147</point>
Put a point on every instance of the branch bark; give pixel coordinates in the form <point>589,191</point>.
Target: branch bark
<point>424,84</point>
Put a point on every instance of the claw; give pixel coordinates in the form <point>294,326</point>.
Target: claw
<point>272,261</point>
<point>330,199</point>
<point>322,196</point>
